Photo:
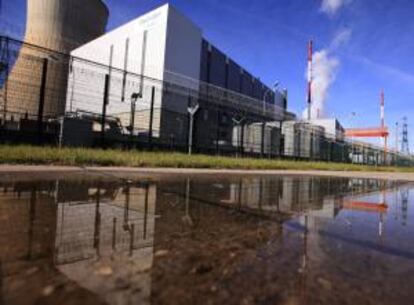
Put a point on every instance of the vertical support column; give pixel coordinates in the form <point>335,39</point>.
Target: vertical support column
<point>143,59</point>
<point>132,120</point>
<point>42,97</point>
<point>104,105</point>
<point>125,73</point>
<point>151,122</point>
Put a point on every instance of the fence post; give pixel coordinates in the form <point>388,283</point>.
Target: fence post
<point>105,104</point>
<point>61,130</point>
<point>311,146</point>
<point>218,133</point>
<point>41,105</point>
<point>262,146</point>
<point>192,110</point>
<point>151,122</point>
<point>242,139</point>
<point>132,120</point>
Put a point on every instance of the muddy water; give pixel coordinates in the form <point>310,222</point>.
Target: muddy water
<point>97,239</point>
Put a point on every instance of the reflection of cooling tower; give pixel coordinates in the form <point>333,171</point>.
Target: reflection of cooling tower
<point>58,25</point>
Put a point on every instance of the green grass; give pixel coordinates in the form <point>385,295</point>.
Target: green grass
<point>98,157</point>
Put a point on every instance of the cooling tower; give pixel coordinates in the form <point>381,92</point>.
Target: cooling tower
<point>58,25</point>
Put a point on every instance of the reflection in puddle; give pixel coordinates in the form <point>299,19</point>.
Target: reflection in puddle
<point>196,240</point>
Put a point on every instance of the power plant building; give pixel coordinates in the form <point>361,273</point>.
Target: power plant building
<point>163,45</point>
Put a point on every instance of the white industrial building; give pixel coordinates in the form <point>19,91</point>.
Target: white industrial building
<point>168,47</point>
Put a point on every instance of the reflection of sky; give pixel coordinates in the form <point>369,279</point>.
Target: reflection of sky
<point>389,233</point>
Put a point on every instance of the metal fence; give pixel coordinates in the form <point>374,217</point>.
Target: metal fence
<point>52,98</point>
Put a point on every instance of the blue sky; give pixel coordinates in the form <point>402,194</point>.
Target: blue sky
<point>368,45</point>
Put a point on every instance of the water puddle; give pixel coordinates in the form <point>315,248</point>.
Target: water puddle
<point>97,239</point>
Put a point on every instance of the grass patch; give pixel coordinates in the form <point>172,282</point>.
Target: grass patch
<point>23,154</point>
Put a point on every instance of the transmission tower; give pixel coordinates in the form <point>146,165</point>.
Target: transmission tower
<point>405,148</point>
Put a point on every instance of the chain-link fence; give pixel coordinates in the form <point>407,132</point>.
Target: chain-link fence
<point>53,98</point>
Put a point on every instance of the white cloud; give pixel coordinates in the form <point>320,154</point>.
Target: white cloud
<point>341,38</point>
<point>331,7</point>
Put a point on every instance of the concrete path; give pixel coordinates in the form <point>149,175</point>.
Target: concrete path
<point>34,170</point>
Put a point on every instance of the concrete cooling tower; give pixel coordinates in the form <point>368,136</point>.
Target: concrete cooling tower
<point>58,25</point>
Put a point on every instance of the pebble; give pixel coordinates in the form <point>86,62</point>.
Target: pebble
<point>161,253</point>
<point>105,271</point>
<point>325,283</point>
<point>48,290</point>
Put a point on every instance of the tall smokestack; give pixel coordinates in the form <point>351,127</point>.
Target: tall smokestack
<point>309,98</point>
<point>382,109</point>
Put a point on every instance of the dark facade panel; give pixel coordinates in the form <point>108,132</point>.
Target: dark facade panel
<point>204,62</point>
<point>234,76</point>
<point>247,84</point>
<point>257,90</point>
<point>218,68</point>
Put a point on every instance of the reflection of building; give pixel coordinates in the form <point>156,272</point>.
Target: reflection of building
<point>27,216</point>
<point>116,226</point>
<point>102,235</point>
<point>71,227</point>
